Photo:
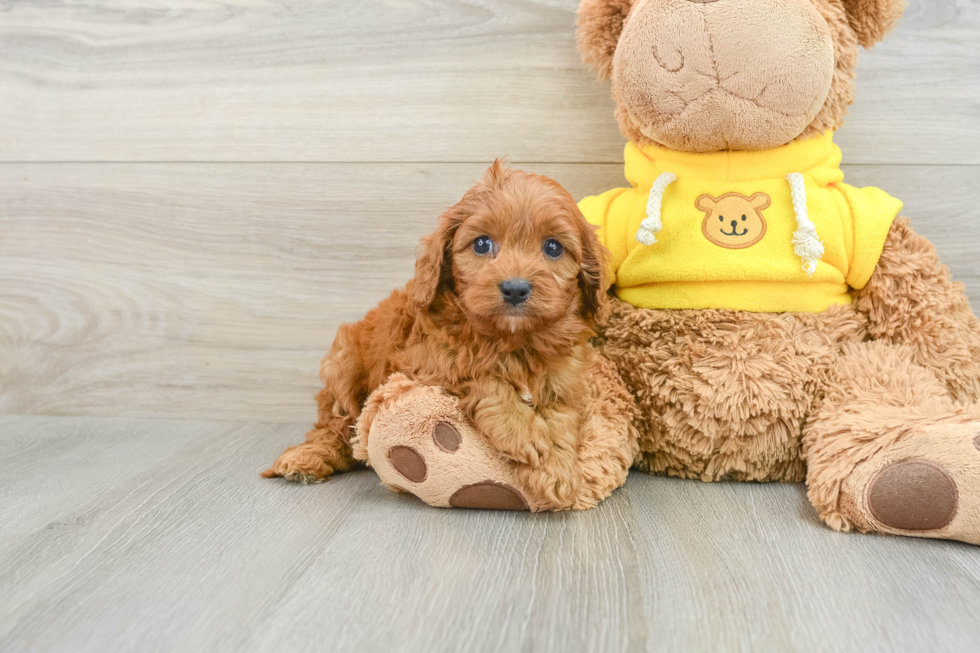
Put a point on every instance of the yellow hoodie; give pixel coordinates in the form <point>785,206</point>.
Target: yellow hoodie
<point>775,231</point>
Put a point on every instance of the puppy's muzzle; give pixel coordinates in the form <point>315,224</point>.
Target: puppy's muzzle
<point>515,291</point>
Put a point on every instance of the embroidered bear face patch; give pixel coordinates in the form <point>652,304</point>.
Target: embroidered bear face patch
<point>733,220</point>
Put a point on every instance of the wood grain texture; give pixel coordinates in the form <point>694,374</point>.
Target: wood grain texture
<point>162,537</point>
<point>212,291</point>
<point>405,80</point>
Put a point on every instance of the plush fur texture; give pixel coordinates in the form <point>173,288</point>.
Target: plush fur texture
<point>520,371</point>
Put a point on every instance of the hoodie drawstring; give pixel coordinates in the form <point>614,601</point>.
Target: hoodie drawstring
<point>652,225</point>
<point>806,244</point>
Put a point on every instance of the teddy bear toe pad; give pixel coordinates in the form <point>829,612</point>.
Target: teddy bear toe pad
<point>446,437</point>
<point>409,463</point>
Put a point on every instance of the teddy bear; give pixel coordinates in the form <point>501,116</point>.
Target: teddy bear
<point>772,322</point>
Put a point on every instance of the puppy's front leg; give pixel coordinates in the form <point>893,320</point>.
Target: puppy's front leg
<point>510,425</point>
<point>557,480</point>
<point>544,441</point>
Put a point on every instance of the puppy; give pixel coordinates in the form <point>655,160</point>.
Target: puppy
<point>499,314</point>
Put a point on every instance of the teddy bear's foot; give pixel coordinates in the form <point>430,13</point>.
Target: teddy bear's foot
<point>926,485</point>
<point>418,441</point>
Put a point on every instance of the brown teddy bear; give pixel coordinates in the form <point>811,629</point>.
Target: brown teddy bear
<point>772,322</point>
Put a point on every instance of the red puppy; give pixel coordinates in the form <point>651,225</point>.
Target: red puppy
<point>499,314</point>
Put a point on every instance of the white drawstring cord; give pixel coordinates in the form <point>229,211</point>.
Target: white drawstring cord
<point>806,244</point>
<point>652,225</point>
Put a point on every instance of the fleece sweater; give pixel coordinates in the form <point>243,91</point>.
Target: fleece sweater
<point>774,231</point>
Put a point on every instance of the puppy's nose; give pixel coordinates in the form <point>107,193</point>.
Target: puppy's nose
<point>515,291</point>
<point>735,225</point>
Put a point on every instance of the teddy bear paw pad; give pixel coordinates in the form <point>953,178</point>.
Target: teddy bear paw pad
<point>913,495</point>
<point>488,495</point>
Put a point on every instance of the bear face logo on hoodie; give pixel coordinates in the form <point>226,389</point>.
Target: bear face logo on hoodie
<point>734,221</point>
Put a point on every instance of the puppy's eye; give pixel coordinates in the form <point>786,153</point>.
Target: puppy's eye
<point>721,218</point>
<point>743,218</point>
<point>482,245</point>
<point>553,248</point>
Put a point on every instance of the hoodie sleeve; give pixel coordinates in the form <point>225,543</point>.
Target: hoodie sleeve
<point>872,213</point>
<point>600,211</point>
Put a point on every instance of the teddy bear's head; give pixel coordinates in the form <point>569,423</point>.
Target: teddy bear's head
<point>711,75</point>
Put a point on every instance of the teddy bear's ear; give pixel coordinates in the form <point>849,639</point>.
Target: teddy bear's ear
<point>600,22</point>
<point>760,201</point>
<point>706,203</point>
<point>872,19</point>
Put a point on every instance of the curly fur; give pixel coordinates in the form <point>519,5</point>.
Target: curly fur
<point>450,327</point>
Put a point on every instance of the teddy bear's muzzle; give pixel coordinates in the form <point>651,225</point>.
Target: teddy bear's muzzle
<point>704,76</point>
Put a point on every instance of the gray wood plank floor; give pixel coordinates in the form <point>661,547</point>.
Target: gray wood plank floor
<point>160,536</point>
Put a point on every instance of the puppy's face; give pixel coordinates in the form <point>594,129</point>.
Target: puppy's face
<point>521,255</point>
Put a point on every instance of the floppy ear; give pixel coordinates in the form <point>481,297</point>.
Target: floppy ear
<point>433,263</point>
<point>592,275</point>
<point>600,22</point>
<point>872,19</point>
<point>760,201</point>
<point>706,203</point>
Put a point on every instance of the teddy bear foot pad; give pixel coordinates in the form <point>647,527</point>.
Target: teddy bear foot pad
<point>927,485</point>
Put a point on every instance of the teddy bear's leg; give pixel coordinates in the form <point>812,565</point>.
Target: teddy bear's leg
<point>890,451</point>
<point>894,444</point>
<point>418,441</point>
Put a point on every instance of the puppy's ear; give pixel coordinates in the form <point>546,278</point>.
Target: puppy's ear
<point>600,22</point>
<point>433,262</point>
<point>871,20</point>
<point>592,279</point>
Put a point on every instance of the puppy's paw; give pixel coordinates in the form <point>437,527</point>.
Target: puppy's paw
<point>300,464</point>
<point>422,444</point>
<point>532,448</point>
<point>302,479</point>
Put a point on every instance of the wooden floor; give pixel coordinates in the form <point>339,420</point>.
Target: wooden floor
<point>194,194</point>
<point>153,536</point>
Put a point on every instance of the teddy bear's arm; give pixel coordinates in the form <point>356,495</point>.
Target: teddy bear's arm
<point>911,299</point>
